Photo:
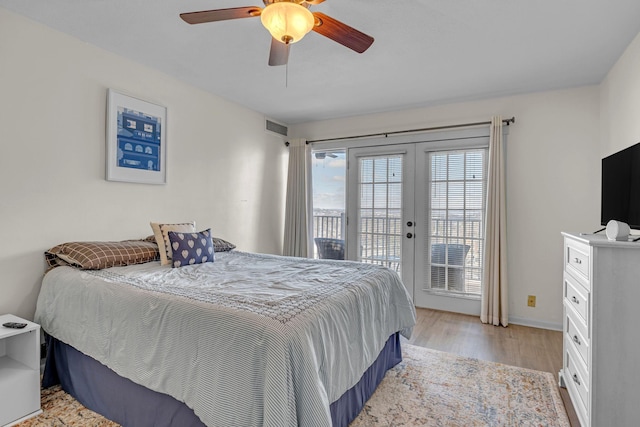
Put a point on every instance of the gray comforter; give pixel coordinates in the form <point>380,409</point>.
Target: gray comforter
<point>249,340</point>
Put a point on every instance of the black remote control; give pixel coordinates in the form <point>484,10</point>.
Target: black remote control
<point>14,325</point>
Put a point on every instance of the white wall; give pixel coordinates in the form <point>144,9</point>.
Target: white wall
<point>552,180</point>
<point>224,171</point>
<point>620,102</point>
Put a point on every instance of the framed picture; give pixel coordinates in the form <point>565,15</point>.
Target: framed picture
<point>136,140</point>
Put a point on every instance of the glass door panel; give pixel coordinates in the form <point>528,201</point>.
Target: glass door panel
<point>450,193</point>
<point>379,196</point>
<point>328,174</point>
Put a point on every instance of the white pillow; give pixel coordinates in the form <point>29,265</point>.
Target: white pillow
<point>160,231</point>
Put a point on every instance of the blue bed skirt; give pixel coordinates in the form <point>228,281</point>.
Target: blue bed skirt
<point>129,404</point>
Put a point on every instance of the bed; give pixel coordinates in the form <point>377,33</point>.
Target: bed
<point>246,340</point>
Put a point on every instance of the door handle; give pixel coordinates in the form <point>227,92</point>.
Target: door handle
<point>409,235</point>
<point>409,224</point>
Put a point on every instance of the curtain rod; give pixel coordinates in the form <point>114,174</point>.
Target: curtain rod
<point>386,134</point>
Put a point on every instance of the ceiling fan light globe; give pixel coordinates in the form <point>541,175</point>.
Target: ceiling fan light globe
<point>287,22</point>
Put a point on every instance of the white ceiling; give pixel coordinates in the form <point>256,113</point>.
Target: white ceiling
<point>425,52</point>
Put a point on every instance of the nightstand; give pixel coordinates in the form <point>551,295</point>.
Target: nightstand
<point>19,371</point>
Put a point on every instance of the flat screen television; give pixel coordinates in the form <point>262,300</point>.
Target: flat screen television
<point>621,187</point>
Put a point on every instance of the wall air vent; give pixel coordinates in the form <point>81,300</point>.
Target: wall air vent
<point>277,128</point>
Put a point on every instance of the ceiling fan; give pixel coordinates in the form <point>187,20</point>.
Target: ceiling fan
<point>288,21</point>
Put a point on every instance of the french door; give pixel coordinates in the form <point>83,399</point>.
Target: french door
<point>418,208</point>
<point>380,208</point>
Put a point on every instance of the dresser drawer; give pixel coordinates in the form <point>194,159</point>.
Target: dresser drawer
<point>577,383</point>
<point>575,335</point>
<point>577,260</point>
<point>577,297</point>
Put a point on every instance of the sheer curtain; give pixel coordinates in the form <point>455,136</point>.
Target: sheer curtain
<point>296,241</point>
<point>495,300</point>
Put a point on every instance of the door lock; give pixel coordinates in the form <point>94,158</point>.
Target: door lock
<point>409,224</point>
<point>409,235</point>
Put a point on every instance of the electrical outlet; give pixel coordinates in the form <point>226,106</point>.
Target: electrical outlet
<point>531,301</point>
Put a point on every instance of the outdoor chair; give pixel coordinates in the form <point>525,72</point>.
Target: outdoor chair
<point>456,259</point>
<point>330,248</point>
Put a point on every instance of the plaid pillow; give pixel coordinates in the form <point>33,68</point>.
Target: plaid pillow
<point>222,245</point>
<point>98,255</point>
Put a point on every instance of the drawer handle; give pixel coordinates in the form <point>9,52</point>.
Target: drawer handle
<point>575,300</point>
<point>576,339</point>
<point>577,260</point>
<point>575,379</point>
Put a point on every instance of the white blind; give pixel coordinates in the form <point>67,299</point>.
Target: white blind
<point>456,205</point>
<point>380,216</point>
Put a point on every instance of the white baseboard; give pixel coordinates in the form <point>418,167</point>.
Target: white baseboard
<point>535,323</point>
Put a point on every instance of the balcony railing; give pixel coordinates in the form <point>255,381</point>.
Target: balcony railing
<point>329,226</point>
<point>386,250</point>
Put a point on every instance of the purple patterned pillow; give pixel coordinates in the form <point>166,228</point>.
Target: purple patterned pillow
<point>191,248</point>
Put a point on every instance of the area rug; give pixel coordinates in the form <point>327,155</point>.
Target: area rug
<point>60,409</point>
<point>428,388</point>
<point>433,388</point>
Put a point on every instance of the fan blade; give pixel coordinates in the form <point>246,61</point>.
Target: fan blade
<point>220,14</point>
<point>341,33</point>
<point>279,54</point>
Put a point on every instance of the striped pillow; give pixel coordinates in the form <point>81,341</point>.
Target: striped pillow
<point>161,231</point>
<point>98,255</point>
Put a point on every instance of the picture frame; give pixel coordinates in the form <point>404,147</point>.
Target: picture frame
<point>136,140</point>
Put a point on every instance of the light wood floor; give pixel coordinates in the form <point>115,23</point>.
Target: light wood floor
<point>515,345</point>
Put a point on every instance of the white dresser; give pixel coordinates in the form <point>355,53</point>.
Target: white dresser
<point>601,362</point>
